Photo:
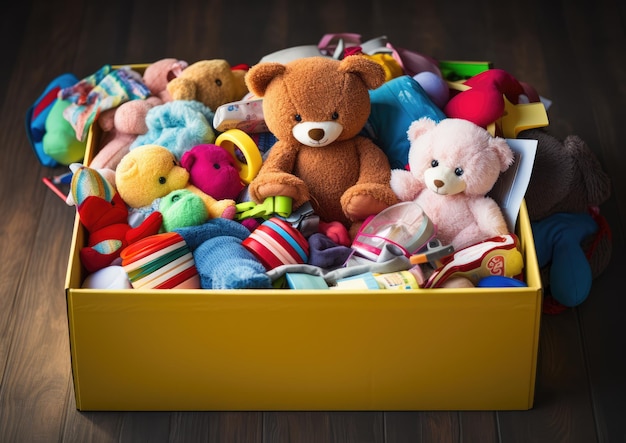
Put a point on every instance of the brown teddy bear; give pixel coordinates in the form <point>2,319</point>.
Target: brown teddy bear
<point>316,107</point>
<point>211,82</point>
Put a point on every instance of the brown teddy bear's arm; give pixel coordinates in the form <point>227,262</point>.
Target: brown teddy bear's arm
<point>373,163</point>
<point>372,192</point>
<point>276,177</point>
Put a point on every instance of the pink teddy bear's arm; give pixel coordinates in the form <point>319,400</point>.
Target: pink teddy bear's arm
<point>405,185</point>
<point>489,217</point>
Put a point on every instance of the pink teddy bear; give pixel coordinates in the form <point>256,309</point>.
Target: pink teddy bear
<point>453,166</point>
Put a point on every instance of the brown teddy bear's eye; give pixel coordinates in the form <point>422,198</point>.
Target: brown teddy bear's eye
<point>458,172</point>
<point>297,117</point>
<point>434,163</point>
<point>162,180</point>
<point>335,116</point>
<point>218,82</point>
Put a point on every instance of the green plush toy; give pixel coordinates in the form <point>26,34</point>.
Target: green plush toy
<point>59,141</point>
<point>182,208</point>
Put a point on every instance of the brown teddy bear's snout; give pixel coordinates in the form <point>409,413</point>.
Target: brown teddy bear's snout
<point>317,134</point>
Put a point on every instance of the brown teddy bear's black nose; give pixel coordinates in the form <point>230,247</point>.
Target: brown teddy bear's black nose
<point>316,134</point>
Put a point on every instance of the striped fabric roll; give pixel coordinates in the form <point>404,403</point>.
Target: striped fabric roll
<point>160,261</point>
<point>275,242</point>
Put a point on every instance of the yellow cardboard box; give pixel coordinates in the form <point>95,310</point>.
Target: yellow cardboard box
<point>441,349</point>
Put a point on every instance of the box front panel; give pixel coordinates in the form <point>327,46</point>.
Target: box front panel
<point>302,351</point>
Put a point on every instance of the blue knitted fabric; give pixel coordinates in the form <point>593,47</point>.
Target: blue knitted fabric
<point>222,261</point>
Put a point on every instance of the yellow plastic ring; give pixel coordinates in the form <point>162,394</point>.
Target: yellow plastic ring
<point>237,142</point>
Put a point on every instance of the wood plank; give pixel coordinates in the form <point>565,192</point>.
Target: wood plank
<point>562,411</point>
<point>596,66</point>
<point>36,377</point>
<point>426,426</point>
<point>602,326</point>
<point>35,236</point>
<point>318,426</point>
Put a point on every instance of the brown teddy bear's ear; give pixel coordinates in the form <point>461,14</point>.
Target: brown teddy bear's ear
<point>261,75</point>
<point>370,72</point>
<point>504,152</point>
<point>420,127</point>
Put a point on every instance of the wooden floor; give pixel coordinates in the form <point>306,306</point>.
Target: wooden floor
<point>573,52</point>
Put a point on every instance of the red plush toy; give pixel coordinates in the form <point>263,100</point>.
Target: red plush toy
<point>483,103</point>
<point>104,215</point>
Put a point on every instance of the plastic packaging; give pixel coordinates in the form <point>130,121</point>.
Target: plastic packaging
<point>409,279</point>
<point>404,225</point>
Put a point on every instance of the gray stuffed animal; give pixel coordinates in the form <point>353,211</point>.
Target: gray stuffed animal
<point>566,189</point>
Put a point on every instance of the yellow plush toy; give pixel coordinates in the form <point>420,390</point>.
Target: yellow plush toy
<point>316,107</point>
<point>149,172</point>
<point>211,82</point>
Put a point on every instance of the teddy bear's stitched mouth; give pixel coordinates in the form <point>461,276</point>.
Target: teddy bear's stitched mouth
<point>317,134</point>
<point>441,190</point>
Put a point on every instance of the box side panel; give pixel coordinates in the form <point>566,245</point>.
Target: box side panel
<point>533,280</point>
<point>73,280</point>
<point>531,266</point>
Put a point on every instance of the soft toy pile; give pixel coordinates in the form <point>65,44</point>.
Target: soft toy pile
<point>325,144</point>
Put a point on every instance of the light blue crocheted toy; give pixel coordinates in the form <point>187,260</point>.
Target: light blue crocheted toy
<point>178,125</point>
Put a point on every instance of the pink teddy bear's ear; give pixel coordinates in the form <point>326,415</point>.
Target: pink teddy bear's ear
<point>419,128</point>
<point>504,152</point>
